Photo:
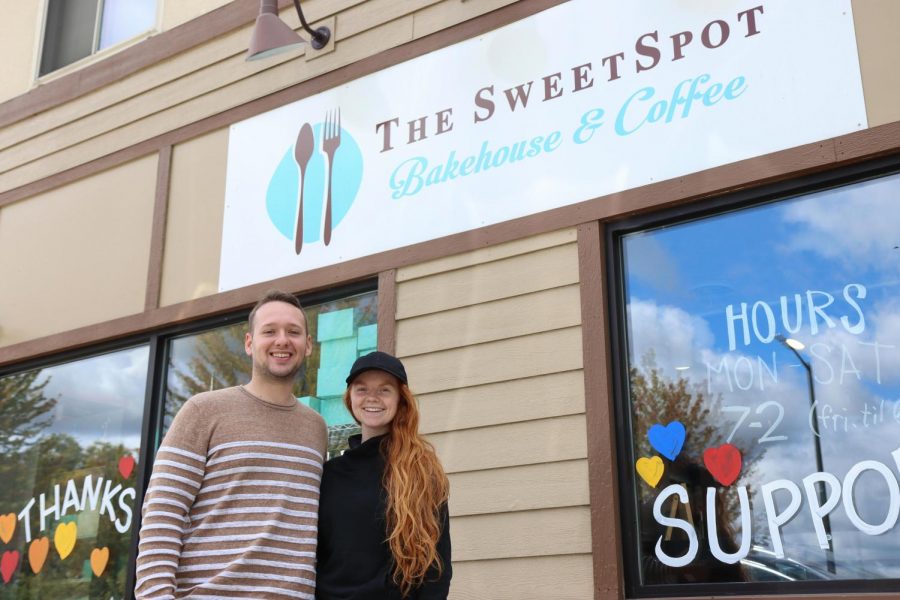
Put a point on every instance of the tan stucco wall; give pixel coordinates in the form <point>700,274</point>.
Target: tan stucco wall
<point>78,254</point>
<point>19,34</point>
<point>194,219</point>
<point>877,24</point>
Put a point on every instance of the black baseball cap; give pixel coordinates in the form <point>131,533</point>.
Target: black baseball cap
<point>381,361</point>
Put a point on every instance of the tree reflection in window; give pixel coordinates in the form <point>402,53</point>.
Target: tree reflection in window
<point>765,340</point>
<point>657,397</point>
<point>341,330</point>
<point>69,443</point>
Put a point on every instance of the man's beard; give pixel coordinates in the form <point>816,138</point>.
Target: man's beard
<point>262,370</point>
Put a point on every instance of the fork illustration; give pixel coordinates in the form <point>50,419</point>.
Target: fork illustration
<point>331,139</point>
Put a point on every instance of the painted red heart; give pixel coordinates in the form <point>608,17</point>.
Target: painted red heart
<point>126,465</point>
<point>8,564</point>
<point>723,463</point>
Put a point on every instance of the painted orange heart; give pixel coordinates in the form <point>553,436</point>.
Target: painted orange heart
<point>99,558</point>
<point>64,539</point>
<point>7,527</point>
<point>37,553</point>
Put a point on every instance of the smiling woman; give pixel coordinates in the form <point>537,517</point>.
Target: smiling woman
<point>384,530</point>
<point>374,396</point>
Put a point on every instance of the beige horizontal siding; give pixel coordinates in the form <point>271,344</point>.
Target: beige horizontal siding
<point>530,398</point>
<point>528,442</point>
<point>492,342</point>
<point>200,106</point>
<point>375,12</point>
<point>217,65</point>
<point>527,487</point>
<point>205,81</point>
<point>436,17</point>
<point>515,358</point>
<point>556,308</point>
<point>190,72</point>
<point>176,13</point>
<point>489,254</point>
<point>565,577</point>
<point>513,276</point>
<point>525,533</point>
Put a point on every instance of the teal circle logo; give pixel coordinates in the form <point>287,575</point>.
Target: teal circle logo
<point>345,175</point>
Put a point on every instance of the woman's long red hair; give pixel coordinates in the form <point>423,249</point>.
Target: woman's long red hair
<point>417,490</point>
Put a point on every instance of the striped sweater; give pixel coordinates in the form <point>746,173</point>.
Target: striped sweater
<point>232,506</point>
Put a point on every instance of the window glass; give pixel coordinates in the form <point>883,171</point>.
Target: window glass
<point>763,386</point>
<point>341,331</point>
<point>69,441</point>
<point>69,32</point>
<point>75,29</point>
<point>123,19</point>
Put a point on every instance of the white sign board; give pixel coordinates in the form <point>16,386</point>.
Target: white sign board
<point>582,100</point>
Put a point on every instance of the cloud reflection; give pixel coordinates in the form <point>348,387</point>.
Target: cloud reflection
<point>760,389</point>
<point>101,398</point>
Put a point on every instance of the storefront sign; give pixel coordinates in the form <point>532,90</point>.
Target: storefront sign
<point>579,101</point>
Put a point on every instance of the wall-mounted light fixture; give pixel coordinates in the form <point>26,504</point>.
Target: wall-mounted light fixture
<point>272,36</point>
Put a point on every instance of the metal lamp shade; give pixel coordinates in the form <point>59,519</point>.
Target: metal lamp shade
<point>271,35</point>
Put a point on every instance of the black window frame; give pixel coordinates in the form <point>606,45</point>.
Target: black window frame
<point>615,231</point>
<point>90,351</point>
<point>157,373</point>
<point>154,408</point>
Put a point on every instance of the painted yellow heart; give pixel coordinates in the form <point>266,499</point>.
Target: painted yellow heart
<point>7,527</point>
<point>650,469</point>
<point>37,553</point>
<point>64,539</point>
<point>99,558</point>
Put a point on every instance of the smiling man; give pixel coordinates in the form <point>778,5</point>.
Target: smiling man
<point>232,506</point>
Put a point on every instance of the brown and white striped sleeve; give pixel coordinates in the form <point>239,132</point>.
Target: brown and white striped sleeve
<point>178,472</point>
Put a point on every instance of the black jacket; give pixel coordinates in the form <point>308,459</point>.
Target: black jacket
<point>353,557</point>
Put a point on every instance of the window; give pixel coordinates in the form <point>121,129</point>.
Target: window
<point>759,394</point>
<point>75,29</point>
<point>341,330</point>
<point>69,441</point>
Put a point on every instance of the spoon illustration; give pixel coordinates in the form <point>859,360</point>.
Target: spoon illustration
<point>303,150</point>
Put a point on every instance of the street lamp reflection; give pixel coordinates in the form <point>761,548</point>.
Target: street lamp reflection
<point>794,346</point>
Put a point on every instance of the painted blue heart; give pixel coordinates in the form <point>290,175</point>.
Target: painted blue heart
<point>667,440</point>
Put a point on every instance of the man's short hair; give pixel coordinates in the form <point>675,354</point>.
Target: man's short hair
<point>277,296</point>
